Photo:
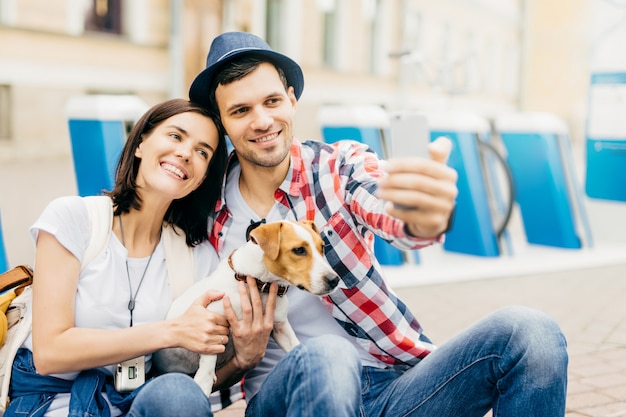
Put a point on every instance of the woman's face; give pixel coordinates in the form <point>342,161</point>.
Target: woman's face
<point>175,156</point>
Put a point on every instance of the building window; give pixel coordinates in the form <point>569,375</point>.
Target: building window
<point>330,38</point>
<point>274,24</point>
<point>104,16</point>
<point>5,112</point>
<point>373,14</point>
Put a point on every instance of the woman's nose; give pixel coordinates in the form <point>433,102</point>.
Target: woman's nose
<point>184,150</point>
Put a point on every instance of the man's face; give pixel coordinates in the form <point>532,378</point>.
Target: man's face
<point>257,114</point>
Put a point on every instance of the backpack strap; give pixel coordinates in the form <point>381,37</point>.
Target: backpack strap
<point>179,259</point>
<point>178,256</point>
<point>100,214</point>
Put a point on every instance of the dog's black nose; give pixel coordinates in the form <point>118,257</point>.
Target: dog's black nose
<point>332,281</point>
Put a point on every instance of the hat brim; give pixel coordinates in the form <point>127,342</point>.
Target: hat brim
<point>199,91</point>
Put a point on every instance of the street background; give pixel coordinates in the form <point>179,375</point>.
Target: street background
<point>490,57</point>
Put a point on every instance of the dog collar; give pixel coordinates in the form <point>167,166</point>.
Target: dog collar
<point>262,286</point>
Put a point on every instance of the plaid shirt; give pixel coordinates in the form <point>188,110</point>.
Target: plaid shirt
<point>334,185</point>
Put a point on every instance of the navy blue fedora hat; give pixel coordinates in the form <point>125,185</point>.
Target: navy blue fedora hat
<point>230,45</point>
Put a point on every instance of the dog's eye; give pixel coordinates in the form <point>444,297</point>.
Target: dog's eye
<point>300,251</point>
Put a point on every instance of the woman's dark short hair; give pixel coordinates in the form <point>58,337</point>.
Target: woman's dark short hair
<point>191,212</point>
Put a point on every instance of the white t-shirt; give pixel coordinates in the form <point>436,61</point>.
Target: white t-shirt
<point>307,315</point>
<point>103,290</point>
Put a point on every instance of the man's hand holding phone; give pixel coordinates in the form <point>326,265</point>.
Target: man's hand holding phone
<point>420,187</point>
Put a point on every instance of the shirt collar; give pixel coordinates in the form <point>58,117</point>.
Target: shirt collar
<point>294,180</point>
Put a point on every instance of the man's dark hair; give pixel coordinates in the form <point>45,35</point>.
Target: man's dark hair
<point>236,70</point>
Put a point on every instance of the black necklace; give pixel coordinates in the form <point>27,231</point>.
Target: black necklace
<point>133,297</point>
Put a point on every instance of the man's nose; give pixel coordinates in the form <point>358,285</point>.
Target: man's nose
<point>262,119</point>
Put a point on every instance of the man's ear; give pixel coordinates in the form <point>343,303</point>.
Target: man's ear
<point>292,96</point>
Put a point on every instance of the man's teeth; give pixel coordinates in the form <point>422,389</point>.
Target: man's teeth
<point>267,138</point>
<point>174,170</point>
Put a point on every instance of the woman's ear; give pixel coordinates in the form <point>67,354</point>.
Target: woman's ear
<point>138,151</point>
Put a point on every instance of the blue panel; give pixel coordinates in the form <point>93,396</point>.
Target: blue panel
<point>608,78</point>
<point>386,253</point>
<point>367,135</point>
<point>606,169</point>
<point>472,229</point>
<point>4,262</point>
<point>96,147</point>
<point>541,188</point>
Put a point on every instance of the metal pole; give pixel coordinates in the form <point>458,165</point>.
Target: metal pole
<point>176,51</point>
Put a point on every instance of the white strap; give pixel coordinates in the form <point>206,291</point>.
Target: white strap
<point>100,214</point>
<point>179,259</point>
<point>178,256</point>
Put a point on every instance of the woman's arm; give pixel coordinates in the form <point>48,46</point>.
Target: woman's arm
<point>60,347</point>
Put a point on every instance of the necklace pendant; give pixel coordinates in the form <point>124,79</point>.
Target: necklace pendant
<point>131,305</point>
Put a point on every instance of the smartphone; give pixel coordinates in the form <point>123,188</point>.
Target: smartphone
<point>409,135</point>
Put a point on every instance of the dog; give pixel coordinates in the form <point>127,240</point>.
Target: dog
<point>285,252</point>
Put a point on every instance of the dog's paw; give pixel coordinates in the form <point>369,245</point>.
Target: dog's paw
<point>205,382</point>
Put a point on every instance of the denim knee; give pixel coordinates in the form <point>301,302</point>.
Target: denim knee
<point>331,356</point>
<point>537,336</point>
<point>171,394</point>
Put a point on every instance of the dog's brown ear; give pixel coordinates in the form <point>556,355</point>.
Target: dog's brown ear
<point>267,236</point>
<point>310,224</point>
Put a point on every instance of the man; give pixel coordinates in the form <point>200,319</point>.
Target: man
<point>362,349</point>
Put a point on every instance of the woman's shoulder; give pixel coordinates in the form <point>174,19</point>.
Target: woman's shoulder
<point>66,218</point>
<point>66,203</point>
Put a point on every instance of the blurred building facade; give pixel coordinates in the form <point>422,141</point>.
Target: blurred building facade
<point>485,56</point>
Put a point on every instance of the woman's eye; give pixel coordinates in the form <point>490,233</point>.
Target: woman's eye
<point>203,153</point>
<point>175,136</point>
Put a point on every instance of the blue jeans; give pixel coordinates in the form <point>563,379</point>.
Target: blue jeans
<point>513,361</point>
<point>319,377</point>
<point>171,395</point>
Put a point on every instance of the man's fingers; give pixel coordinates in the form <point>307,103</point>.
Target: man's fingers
<point>440,149</point>
<point>208,297</point>
<point>229,312</point>
<point>270,305</point>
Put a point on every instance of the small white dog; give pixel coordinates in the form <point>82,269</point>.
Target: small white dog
<point>289,253</point>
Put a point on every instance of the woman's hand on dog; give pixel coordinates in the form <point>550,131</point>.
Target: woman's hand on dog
<point>201,330</point>
<point>251,333</point>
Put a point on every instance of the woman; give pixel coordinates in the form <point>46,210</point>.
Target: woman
<point>85,321</point>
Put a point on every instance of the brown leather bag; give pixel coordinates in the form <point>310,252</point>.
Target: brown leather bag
<point>17,277</point>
